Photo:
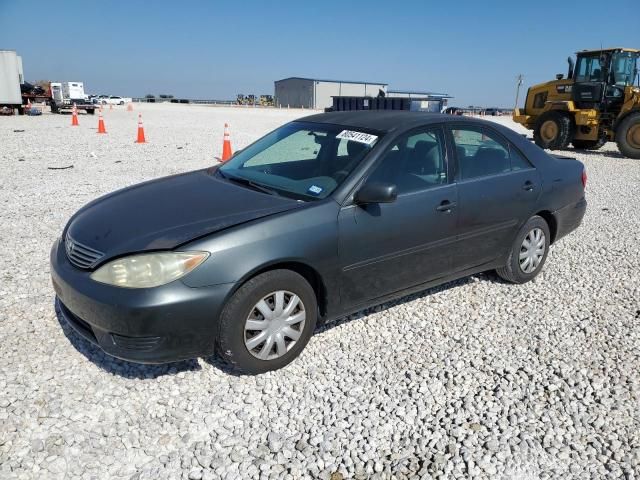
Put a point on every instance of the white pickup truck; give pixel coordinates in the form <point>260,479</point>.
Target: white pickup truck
<point>113,100</point>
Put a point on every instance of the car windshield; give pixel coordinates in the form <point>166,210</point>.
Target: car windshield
<point>301,160</point>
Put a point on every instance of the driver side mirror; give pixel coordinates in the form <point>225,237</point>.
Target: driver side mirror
<point>376,192</point>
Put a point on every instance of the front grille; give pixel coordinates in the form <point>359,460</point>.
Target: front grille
<point>81,255</point>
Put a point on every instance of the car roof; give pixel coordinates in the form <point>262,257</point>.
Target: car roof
<point>385,120</point>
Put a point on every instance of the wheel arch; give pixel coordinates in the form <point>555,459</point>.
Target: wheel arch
<point>551,221</point>
<point>622,117</point>
<point>303,269</point>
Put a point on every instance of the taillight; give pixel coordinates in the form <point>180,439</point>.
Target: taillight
<point>584,178</point>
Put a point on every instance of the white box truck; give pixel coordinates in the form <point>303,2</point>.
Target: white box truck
<point>10,73</point>
<point>65,94</point>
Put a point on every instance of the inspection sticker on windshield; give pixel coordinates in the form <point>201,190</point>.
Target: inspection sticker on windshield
<point>360,137</point>
<point>316,190</point>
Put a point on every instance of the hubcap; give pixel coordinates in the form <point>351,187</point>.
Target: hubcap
<point>532,250</point>
<point>633,135</point>
<point>274,325</point>
<point>549,131</point>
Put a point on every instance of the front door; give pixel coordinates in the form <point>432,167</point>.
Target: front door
<point>385,248</point>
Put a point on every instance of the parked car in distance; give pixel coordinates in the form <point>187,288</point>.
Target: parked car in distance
<point>453,111</point>
<point>324,216</point>
<point>113,100</point>
<point>493,112</point>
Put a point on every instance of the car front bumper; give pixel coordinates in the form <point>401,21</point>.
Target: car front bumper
<point>149,325</point>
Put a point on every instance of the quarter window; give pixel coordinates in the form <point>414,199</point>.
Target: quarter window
<point>518,162</point>
<point>481,153</point>
<point>416,161</point>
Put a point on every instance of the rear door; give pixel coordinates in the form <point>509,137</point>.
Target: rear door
<point>384,248</point>
<point>498,190</point>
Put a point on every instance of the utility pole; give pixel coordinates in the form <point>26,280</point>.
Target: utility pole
<point>519,79</point>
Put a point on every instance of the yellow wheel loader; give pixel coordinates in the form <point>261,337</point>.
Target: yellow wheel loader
<point>599,101</point>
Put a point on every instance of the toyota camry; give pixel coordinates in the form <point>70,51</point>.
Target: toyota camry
<point>320,218</point>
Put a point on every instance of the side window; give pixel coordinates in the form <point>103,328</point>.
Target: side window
<point>589,70</point>
<point>479,153</point>
<point>300,145</point>
<point>416,161</point>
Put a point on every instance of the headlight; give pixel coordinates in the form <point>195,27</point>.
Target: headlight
<point>148,269</point>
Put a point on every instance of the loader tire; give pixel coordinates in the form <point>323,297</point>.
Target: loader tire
<point>553,130</point>
<point>628,136</point>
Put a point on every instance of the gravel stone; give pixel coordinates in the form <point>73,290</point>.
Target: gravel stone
<point>475,378</point>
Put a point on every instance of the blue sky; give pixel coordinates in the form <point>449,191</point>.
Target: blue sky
<point>472,50</point>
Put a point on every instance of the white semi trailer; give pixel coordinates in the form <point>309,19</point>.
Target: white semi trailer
<point>65,94</point>
<point>10,80</point>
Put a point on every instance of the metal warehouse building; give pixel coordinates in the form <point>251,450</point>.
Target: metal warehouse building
<point>298,92</point>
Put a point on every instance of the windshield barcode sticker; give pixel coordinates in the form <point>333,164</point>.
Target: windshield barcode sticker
<point>359,137</point>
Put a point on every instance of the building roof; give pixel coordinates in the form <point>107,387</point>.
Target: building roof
<point>414,92</point>
<point>331,81</point>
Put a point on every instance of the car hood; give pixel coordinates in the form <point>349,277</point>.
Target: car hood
<point>165,213</point>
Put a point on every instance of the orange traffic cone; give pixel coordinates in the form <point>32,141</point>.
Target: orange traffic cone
<point>74,116</point>
<point>101,128</point>
<point>130,107</point>
<point>226,144</point>
<point>28,104</point>
<point>140,130</point>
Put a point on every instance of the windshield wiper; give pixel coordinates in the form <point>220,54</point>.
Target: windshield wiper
<point>249,183</point>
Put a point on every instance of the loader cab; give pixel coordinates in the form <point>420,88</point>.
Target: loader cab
<point>600,78</point>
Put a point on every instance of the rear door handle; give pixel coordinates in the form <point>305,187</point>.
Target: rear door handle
<point>445,206</point>
<point>528,186</point>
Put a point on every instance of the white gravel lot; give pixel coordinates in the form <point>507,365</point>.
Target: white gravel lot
<point>476,378</point>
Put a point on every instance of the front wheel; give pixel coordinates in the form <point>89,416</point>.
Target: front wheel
<point>628,136</point>
<point>528,252</point>
<point>553,130</point>
<point>267,322</point>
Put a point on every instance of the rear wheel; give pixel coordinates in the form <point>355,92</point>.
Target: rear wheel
<point>528,252</point>
<point>553,130</point>
<point>267,322</point>
<point>628,136</point>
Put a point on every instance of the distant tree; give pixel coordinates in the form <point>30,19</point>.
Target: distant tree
<point>164,95</point>
<point>149,95</point>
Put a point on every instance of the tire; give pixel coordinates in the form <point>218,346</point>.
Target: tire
<point>513,271</point>
<point>91,111</point>
<point>554,130</point>
<point>232,335</point>
<point>121,103</point>
<point>589,144</point>
<point>628,136</point>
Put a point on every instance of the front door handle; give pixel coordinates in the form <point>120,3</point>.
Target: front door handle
<point>528,186</point>
<point>445,206</point>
